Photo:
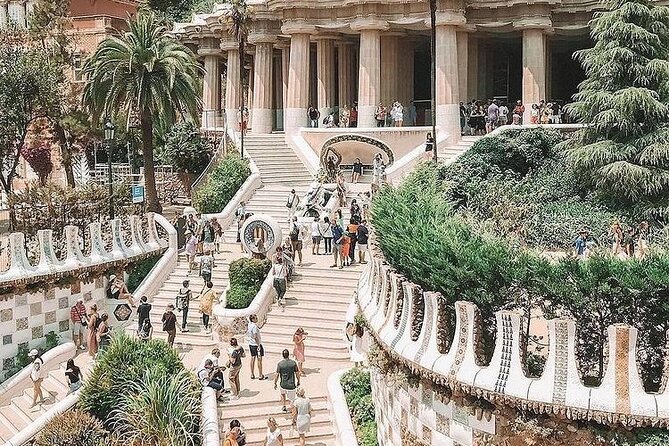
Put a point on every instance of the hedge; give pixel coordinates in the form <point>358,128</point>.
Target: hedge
<point>222,184</point>
<point>246,278</point>
<point>357,387</point>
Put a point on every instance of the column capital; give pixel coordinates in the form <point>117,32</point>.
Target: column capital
<point>369,23</point>
<point>262,37</point>
<point>298,27</point>
<point>209,52</point>
<point>541,23</point>
<point>449,17</point>
<point>229,45</point>
<point>317,37</point>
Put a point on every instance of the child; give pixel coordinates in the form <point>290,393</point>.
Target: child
<point>345,241</point>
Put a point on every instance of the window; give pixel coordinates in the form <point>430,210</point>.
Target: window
<point>77,68</point>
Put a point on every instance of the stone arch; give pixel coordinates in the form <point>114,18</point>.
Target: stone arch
<point>328,147</point>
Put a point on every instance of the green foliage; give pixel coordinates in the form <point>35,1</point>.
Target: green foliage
<point>123,363</point>
<point>357,388</point>
<point>366,434</point>
<point>186,149</point>
<point>72,428</point>
<point>222,184</point>
<point>246,278</point>
<point>160,409</point>
<point>52,339</point>
<point>625,100</point>
<point>181,10</point>
<point>139,271</point>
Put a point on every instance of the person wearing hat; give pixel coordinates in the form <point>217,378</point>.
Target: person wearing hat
<point>118,290</point>
<point>79,323</point>
<point>37,376</point>
<point>170,324</point>
<point>292,203</point>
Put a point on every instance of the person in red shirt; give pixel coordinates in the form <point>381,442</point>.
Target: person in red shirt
<point>79,323</point>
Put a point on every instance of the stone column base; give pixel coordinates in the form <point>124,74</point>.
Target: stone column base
<point>262,120</point>
<point>366,116</point>
<point>294,118</point>
<point>232,119</point>
<point>448,121</point>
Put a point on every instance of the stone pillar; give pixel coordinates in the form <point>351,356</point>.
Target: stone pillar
<point>4,17</point>
<point>211,87</point>
<point>390,70</point>
<point>463,59</point>
<point>472,67</point>
<point>285,65</point>
<point>297,97</point>
<point>21,16</point>
<point>262,86</point>
<point>447,113</point>
<point>233,87</point>
<point>344,69</point>
<point>369,77</point>
<point>534,69</point>
<point>325,55</point>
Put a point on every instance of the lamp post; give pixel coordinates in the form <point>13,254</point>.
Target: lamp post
<point>109,138</point>
<point>433,72</point>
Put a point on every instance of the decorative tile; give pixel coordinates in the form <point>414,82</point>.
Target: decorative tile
<point>622,370</point>
<point>99,283</point>
<point>88,296</point>
<point>63,303</point>
<point>22,324</point>
<point>75,288</point>
<point>21,300</point>
<point>38,332</point>
<point>462,341</point>
<point>561,356</point>
<point>6,339</point>
<point>414,407</point>
<point>36,309</point>
<point>427,434</point>
<point>64,326</point>
<point>461,414</point>
<point>403,418</point>
<point>427,396</point>
<point>50,294</point>
<point>50,317</point>
<point>429,301</point>
<point>443,425</point>
<point>7,363</point>
<point>505,364</point>
<point>6,314</point>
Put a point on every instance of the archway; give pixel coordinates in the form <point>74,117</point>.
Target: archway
<point>359,146</point>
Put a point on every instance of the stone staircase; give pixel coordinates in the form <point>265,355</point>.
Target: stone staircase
<point>449,153</point>
<point>277,162</point>
<point>17,414</point>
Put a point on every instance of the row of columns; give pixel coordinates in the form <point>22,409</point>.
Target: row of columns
<point>16,11</point>
<point>382,72</point>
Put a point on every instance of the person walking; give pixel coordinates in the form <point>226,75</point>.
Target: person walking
<point>298,348</point>
<point>302,415</point>
<point>143,311</point>
<point>345,252</point>
<point>79,323</point>
<point>313,115</point>
<point>218,235</point>
<point>273,436</point>
<point>288,378</point>
<point>255,346</point>
<point>36,376</point>
<point>190,250</point>
<point>326,231</point>
<point>104,332</point>
<point>337,233</point>
<point>92,330</point>
<point>279,277</point>
<point>352,230</point>
<point>355,211</point>
<point>316,236</point>
<point>380,115</point>
<point>207,301</point>
<point>356,172</point>
<point>183,303</point>
<point>206,266</point>
<point>292,203</point>
<point>170,324</point>
<point>73,376</point>
<point>235,355</point>
<point>376,168</point>
<point>297,240</point>
<point>362,235</point>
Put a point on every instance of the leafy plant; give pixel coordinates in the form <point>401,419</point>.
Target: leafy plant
<point>357,388</point>
<point>186,149</point>
<point>72,428</point>
<point>138,272</point>
<point>246,279</point>
<point>52,340</point>
<point>39,159</point>
<point>222,184</point>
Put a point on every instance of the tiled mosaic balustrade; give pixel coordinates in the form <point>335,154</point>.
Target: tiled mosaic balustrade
<point>411,334</point>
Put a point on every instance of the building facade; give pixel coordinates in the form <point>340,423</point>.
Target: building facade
<point>335,53</point>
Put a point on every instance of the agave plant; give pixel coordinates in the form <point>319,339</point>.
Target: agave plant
<point>72,428</point>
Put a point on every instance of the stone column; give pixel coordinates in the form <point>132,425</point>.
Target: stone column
<point>233,87</point>
<point>4,17</point>
<point>344,62</point>
<point>21,18</point>
<point>390,69</point>
<point>297,97</point>
<point>447,113</point>
<point>211,87</point>
<point>463,59</point>
<point>285,65</point>
<point>325,55</point>
<point>534,69</point>
<point>369,77</point>
<point>472,67</point>
<point>262,86</point>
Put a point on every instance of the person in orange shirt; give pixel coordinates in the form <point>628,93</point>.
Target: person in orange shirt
<point>231,439</point>
<point>345,242</point>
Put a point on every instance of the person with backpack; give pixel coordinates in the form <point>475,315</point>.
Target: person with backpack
<point>104,331</point>
<point>79,323</point>
<point>292,203</point>
<point>363,238</point>
<point>143,311</point>
<point>170,324</point>
<point>296,239</point>
<point>183,302</point>
<point>206,265</point>
<point>337,233</point>
<point>235,355</point>
<point>208,237</point>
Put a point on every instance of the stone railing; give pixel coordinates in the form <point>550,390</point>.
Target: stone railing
<point>409,323</point>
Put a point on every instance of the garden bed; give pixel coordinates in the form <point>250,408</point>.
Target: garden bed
<point>357,388</point>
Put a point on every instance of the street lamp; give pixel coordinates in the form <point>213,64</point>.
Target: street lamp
<point>109,138</point>
<point>433,72</point>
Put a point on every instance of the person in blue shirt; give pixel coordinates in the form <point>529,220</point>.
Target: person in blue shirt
<point>580,243</point>
<point>337,232</point>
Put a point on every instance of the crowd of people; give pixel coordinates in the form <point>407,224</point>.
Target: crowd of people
<point>393,115</point>
<point>625,243</point>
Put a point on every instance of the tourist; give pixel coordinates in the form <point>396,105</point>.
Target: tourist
<point>313,114</point>
<point>92,330</point>
<point>241,436</point>
<point>274,436</point>
<point>380,115</point>
<point>143,311</point>
<point>518,112</point>
<point>580,244</point>
<point>345,251</point>
<point>298,348</point>
<point>73,376</point>
<point>218,234</point>
<point>208,237</point>
<point>302,415</point>
<point>341,189</point>
<point>397,114</point>
<point>503,115</point>
<point>240,225</point>
<point>184,296</point>
<point>235,355</point>
<point>118,290</point>
<point>214,357</point>
<point>104,332</point>
<point>191,224</point>
<point>616,234</point>
<point>411,115</point>
<point>353,119</point>
<point>326,231</point>
<point>329,121</point>
<point>292,203</point>
<point>170,324</point>
<point>642,249</point>
<point>288,376</point>
<point>362,235</point>
<point>356,171</point>
<point>231,439</point>
<point>36,376</point>
<point>255,346</point>
<point>355,210</point>
<point>546,113</point>
<point>279,280</point>
<point>344,115</point>
<point>241,211</point>
<point>376,168</point>
<point>207,300</point>
<point>629,239</point>
<point>207,378</point>
<point>244,120</point>
<point>296,239</point>
<point>463,120</point>
<point>79,323</point>
<point>492,116</point>
<point>145,331</point>
<point>206,265</point>
<point>429,142</point>
<point>190,250</point>
<point>352,230</point>
<point>337,234</point>
<point>534,114</point>
<point>358,344</point>
<point>316,236</point>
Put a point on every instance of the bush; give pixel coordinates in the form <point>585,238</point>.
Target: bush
<point>72,428</point>
<point>366,434</point>
<point>186,149</point>
<point>125,361</point>
<point>138,271</point>
<point>357,387</point>
<point>222,184</point>
<point>246,279</point>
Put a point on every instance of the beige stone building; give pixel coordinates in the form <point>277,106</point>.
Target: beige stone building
<point>332,53</point>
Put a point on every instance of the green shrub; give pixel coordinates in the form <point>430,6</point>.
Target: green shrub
<point>125,361</point>
<point>138,272</point>
<point>367,434</point>
<point>186,149</point>
<point>222,184</point>
<point>246,279</point>
<point>357,386</point>
<point>72,428</point>
<point>364,410</point>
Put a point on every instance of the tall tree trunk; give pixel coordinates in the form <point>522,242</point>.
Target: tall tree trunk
<point>65,153</point>
<point>152,202</point>
<point>245,125</point>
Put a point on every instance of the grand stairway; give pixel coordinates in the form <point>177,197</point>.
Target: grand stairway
<point>277,162</point>
<point>449,153</point>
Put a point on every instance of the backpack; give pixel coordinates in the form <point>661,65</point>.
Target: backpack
<point>294,233</point>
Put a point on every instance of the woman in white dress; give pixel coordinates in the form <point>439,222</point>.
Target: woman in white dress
<point>358,344</point>
<point>274,437</point>
<point>302,415</point>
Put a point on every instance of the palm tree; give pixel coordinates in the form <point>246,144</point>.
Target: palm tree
<point>147,72</point>
<point>237,16</point>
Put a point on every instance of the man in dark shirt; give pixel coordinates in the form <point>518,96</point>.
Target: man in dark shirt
<point>143,311</point>
<point>170,324</point>
<point>363,237</point>
<point>287,370</point>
